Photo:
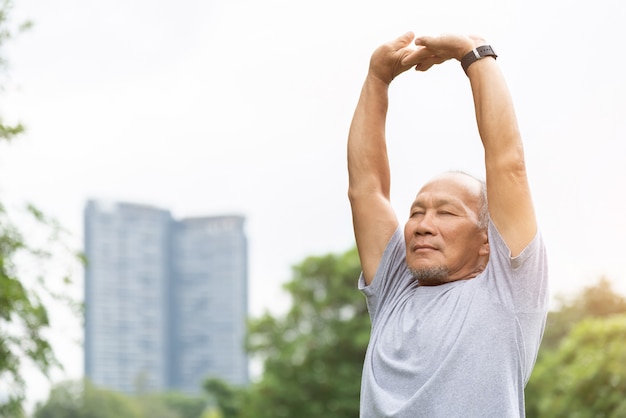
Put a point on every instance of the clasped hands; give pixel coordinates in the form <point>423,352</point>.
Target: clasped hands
<point>407,51</point>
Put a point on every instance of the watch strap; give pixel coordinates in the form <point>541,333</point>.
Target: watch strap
<point>476,54</point>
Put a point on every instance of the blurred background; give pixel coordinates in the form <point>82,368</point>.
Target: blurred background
<point>242,108</point>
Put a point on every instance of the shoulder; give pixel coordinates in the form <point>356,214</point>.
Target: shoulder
<point>500,253</point>
<point>520,282</point>
<point>392,275</point>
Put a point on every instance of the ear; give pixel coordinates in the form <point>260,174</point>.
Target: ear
<point>484,247</point>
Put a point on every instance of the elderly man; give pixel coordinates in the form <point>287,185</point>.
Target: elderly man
<point>458,297</point>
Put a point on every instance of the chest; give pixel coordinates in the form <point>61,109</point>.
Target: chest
<point>421,327</point>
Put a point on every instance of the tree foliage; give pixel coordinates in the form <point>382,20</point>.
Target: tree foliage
<point>586,376</point>
<point>7,131</point>
<point>581,367</point>
<point>313,355</point>
<point>598,300</point>
<point>24,292</point>
<point>25,295</point>
<point>181,405</point>
<point>81,399</point>
<point>228,399</point>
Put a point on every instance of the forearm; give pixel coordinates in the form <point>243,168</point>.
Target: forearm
<point>495,115</point>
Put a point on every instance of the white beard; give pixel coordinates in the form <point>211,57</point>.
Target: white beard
<point>430,276</point>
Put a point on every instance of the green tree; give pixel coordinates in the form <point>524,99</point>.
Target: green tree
<point>176,405</point>
<point>586,376</point>
<point>597,300</point>
<point>24,292</point>
<point>81,399</point>
<point>313,355</point>
<point>229,399</point>
<point>24,296</point>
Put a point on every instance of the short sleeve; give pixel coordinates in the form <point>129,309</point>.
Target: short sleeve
<point>392,276</point>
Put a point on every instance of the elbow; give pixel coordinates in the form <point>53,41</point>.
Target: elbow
<point>512,172</point>
<point>509,162</point>
<point>358,193</point>
<point>362,192</point>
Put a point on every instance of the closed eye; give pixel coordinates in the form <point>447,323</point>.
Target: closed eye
<point>445,212</point>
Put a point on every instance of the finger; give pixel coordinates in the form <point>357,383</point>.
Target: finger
<point>403,40</point>
<point>428,62</point>
<point>424,40</point>
<point>416,56</point>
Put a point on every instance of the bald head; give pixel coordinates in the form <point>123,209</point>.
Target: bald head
<point>470,189</point>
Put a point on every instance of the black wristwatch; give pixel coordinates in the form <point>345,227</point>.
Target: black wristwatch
<point>476,54</point>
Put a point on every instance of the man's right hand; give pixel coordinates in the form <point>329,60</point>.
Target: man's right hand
<point>386,61</point>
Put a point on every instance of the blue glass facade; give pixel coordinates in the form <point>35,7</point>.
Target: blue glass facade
<point>165,299</point>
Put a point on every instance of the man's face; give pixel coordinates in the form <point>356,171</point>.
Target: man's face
<point>443,240</point>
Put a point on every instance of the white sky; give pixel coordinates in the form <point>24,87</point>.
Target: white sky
<point>243,106</point>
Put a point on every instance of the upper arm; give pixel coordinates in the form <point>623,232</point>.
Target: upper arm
<point>374,223</point>
<point>508,192</point>
<point>510,205</point>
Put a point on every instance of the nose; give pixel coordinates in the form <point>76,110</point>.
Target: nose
<point>424,225</point>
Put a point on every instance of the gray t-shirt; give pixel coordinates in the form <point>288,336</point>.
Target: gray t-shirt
<point>462,349</point>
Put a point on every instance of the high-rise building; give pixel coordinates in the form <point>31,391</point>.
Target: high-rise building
<point>165,299</point>
<point>210,293</point>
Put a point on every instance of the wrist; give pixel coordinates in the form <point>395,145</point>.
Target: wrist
<point>377,80</point>
<point>476,54</point>
<point>470,43</point>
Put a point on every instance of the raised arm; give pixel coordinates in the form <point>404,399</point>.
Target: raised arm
<point>508,193</point>
<point>373,218</point>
